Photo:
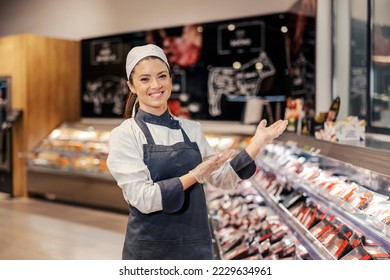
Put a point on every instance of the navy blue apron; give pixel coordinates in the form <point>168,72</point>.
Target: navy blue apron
<point>181,235</point>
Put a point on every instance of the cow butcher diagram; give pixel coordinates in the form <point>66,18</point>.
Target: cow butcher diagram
<point>106,90</point>
<point>245,81</point>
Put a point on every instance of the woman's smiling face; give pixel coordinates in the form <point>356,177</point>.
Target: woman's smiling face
<point>152,82</point>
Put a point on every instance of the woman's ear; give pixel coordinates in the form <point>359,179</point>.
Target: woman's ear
<point>132,89</point>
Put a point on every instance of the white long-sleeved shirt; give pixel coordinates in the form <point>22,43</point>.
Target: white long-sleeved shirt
<point>126,164</point>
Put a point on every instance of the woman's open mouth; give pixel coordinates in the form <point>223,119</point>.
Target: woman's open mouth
<point>156,95</point>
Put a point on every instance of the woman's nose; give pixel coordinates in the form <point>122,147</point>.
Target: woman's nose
<point>156,83</point>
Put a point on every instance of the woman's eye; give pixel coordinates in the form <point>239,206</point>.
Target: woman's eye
<point>163,76</point>
<point>144,80</point>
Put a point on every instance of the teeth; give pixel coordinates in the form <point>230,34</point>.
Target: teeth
<point>156,94</point>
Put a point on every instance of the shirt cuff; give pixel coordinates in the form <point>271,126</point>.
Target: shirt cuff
<point>172,195</point>
<point>243,165</point>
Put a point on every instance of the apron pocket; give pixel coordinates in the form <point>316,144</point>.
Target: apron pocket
<point>198,249</point>
<point>160,249</point>
<point>195,249</point>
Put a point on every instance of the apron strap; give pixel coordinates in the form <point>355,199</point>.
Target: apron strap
<point>145,130</point>
<point>185,136</point>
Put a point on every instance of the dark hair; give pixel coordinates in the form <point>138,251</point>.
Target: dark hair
<point>133,96</point>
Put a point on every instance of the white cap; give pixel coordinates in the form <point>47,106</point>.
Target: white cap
<point>140,52</point>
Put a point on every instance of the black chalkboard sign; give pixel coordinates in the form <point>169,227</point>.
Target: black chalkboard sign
<point>217,66</point>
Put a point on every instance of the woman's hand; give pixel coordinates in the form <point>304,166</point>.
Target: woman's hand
<point>264,135</point>
<point>208,166</point>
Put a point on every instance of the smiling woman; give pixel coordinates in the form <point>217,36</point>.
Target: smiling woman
<point>161,161</point>
<point>151,81</point>
<point>147,69</point>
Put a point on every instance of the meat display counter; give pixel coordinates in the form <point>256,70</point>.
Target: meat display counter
<point>70,165</point>
<point>334,209</point>
<point>340,211</point>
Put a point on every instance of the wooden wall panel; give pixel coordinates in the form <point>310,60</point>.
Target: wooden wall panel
<point>45,85</point>
<point>53,85</point>
<point>13,55</point>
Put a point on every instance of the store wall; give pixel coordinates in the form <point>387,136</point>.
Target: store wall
<point>14,66</point>
<point>41,83</point>
<point>75,19</point>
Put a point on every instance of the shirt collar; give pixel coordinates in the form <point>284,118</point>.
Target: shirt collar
<point>164,120</point>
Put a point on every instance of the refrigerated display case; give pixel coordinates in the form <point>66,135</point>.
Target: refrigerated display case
<point>330,204</point>
<point>70,165</point>
<point>336,210</point>
<point>244,227</point>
